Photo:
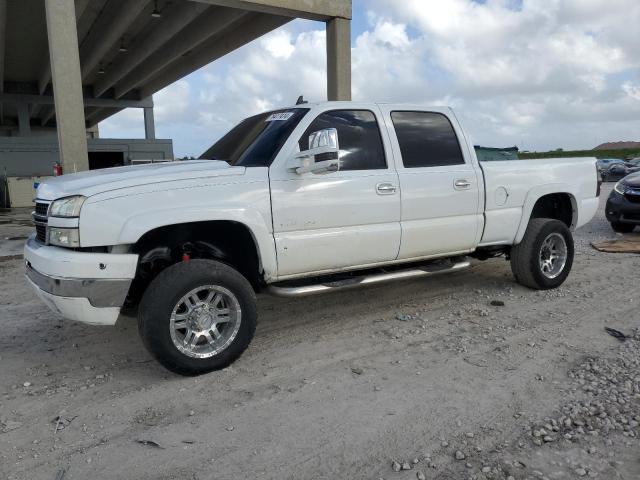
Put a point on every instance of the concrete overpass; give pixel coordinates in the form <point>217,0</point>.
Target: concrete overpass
<point>66,65</point>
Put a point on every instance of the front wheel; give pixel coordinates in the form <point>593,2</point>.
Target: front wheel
<point>197,316</point>
<point>544,258</point>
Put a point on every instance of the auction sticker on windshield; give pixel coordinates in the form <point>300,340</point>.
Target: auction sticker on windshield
<point>279,117</point>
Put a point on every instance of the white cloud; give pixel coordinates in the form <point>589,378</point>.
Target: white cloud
<point>546,73</point>
<point>279,44</point>
<point>631,89</point>
<point>172,102</point>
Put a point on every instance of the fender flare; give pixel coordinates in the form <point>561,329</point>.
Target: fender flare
<point>538,192</point>
<point>138,225</point>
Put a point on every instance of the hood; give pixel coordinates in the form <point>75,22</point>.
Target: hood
<point>632,180</point>
<point>104,180</point>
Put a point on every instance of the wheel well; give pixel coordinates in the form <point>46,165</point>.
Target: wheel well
<point>226,241</point>
<point>558,206</point>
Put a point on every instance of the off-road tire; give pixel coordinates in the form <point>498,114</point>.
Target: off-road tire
<point>622,227</point>
<point>167,289</point>
<point>525,257</point>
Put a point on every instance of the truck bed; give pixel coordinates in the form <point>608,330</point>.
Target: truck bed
<point>511,186</point>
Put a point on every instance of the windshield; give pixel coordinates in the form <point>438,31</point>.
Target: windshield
<point>256,141</point>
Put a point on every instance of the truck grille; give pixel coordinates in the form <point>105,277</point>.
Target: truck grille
<point>40,220</point>
<point>42,209</point>
<point>41,233</point>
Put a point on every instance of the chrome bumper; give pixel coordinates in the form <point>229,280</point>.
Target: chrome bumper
<point>101,293</point>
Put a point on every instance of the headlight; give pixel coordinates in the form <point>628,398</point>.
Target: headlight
<point>620,188</point>
<point>67,207</point>
<point>64,237</point>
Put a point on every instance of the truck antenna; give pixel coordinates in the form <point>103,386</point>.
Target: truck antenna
<point>301,100</point>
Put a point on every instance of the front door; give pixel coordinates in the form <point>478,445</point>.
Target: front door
<point>344,219</point>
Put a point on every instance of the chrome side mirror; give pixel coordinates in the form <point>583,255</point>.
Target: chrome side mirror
<point>323,155</point>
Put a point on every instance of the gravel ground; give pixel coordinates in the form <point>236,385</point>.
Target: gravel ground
<point>430,379</point>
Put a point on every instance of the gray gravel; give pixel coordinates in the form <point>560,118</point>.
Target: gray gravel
<point>343,385</point>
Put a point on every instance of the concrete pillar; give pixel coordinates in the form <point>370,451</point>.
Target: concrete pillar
<point>67,84</point>
<point>149,124</point>
<point>24,125</point>
<point>339,59</point>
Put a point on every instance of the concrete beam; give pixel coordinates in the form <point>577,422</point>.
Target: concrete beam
<point>205,27</point>
<point>181,15</point>
<point>34,111</point>
<point>46,115</point>
<point>109,31</point>
<point>339,59</point>
<point>18,98</point>
<point>67,84</point>
<point>91,113</point>
<point>24,126</point>
<point>310,9</point>
<point>45,73</point>
<point>254,27</point>
<point>149,124</point>
<point>101,114</point>
<point>3,46</point>
<point>81,6</point>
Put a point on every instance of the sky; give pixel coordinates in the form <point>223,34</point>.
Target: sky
<point>539,74</point>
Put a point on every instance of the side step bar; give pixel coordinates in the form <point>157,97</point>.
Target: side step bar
<point>364,280</point>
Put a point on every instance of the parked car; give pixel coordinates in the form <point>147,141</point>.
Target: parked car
<point>618,171</point>
<point>299,201</point>
<point>605,163</point>
<point>623,204</point>
<point>634,162</point>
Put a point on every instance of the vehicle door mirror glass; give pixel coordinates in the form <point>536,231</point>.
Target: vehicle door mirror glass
<point>323,155</point>
<point>327,137</point>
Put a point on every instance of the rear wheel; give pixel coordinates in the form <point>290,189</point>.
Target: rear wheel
<point>622,227</point>
<point>544,258</point>
<point>197,316</point>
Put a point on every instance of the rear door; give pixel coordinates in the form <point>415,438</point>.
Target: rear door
<point>340,220</point>
<point>440,184</point>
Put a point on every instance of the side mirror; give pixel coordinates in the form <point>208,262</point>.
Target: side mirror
<point>323,155</point>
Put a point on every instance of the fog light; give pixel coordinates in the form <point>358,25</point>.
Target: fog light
<point>64,237</point>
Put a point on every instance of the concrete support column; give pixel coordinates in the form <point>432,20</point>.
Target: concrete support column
<point>339,59</point>
<point>24,125</point>
<point>67,84</point>
<point>149,124</point>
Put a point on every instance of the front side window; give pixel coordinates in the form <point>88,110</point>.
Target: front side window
<point>426,139</point>
<point>359,137</point>
<point>256,141</point>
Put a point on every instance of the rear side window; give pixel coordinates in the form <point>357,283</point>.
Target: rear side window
<point>359,137</point>
<point>426,139</point>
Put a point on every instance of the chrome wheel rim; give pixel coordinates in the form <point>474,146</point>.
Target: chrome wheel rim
<point>553,255</point>
<point>205,321</point>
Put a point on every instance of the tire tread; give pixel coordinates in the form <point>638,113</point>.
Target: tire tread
<point>164,286</point>
<point>524,257</point>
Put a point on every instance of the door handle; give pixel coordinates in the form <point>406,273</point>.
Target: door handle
<point>386,188</point>
<point>461,184</point>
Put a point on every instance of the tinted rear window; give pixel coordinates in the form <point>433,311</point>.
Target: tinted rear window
<point>426,139</point>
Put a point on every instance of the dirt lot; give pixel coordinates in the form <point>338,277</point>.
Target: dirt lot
<point>428,374</point>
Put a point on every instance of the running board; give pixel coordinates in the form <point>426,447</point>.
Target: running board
<point>364,280</point>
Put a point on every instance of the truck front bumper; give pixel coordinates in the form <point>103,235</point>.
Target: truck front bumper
<point>86,287</point>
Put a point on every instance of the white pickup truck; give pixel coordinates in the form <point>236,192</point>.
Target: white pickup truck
<point>303,200</point>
